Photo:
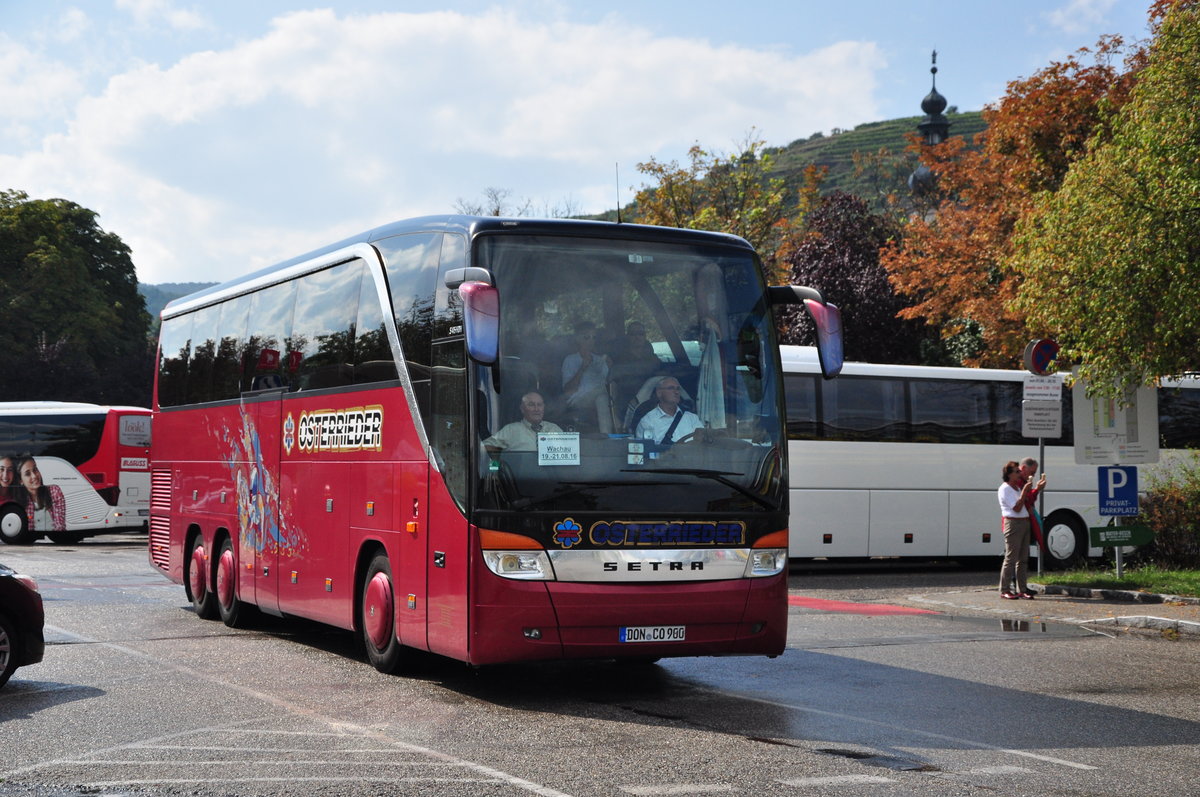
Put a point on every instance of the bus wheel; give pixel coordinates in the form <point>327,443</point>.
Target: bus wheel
<point>1066,541</point>
<point>203,599</point>
<point>378,620</point>
<point>233,611</point>
<point>14,526</point>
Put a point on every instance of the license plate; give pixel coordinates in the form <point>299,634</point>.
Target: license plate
<point>654,633</point>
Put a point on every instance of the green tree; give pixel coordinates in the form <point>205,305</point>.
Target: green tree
<point>726,193</point>
<point>950,264</point>
<point>1112,259</point>
<point>72,324</point>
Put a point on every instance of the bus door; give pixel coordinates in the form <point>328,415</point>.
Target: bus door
<point>414,523</point>
<point>258,500</point>
<point>133,438</point>
<point>448,546</point>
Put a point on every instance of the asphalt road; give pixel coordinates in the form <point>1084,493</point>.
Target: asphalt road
<point>138,696</point>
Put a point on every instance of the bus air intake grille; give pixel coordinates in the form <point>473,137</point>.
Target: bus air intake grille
<point>160,542</point>
<point>160,491</point>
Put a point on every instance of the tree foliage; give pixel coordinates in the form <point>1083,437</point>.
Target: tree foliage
<point>72,324</point>
<point>1113,258</point>
<point>839,256</point>
<point>726,193</point>
<point>952,263</point>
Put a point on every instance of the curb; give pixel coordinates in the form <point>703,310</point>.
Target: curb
<point>1160,624</point>
<point>1117,595</point>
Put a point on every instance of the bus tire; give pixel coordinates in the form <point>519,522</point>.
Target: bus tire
<point>204,601</point>
<point>14,526</point>
<point>1066,541</point>
<point>377,616</point>
<point>233,612</point>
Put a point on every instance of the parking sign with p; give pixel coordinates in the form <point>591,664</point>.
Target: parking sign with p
<point>1118,490</point>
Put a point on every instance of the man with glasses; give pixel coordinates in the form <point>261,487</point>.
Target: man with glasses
<point>668,423</point>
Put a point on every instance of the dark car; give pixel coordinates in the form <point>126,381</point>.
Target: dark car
<point>21,619</point>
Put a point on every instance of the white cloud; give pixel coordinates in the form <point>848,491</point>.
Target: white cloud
<point>150,13</point>
<point>1081,16</point>
<point>71,26</point>
<point>326,125</point>
<point>33,88</point>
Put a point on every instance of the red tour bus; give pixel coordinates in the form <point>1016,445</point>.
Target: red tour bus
<point>94,462</point>
<point>388,435</point>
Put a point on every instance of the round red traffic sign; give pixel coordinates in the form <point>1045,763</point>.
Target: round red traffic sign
<point>1039,354</point>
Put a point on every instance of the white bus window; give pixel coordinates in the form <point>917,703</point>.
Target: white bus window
<point>864,408</point>
<point>950,411</point>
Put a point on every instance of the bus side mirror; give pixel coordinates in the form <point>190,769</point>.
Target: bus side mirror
<point>826,316</point>
<point>481,317</point>
<point>828,319</point>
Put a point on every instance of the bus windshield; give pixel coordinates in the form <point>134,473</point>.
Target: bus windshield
<point>632,376</point>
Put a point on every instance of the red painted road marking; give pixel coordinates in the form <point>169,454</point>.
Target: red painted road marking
<point>853,608</point>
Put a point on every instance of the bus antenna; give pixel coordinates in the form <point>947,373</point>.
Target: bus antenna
<point>617,170</point>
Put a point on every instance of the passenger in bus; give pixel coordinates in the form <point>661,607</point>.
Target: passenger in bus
<point>633,360</point>
<point>45,506</point>
<point>1014,509</point>
<point>585,378</point>
<point>8,475</point>
<point>522,435</point>
<point>668,422</point>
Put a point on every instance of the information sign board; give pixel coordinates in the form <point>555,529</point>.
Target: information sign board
<point>1110,431</point>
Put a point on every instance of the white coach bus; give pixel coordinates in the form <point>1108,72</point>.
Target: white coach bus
<point>904,461</point>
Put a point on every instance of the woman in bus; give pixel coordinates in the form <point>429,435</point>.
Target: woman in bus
<point>1014,509</point>
<point>45,505</point>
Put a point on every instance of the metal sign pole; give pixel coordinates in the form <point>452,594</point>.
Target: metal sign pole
<point>1041,499</point>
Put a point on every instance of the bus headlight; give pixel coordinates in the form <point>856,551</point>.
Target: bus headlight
<point>766,562</point>
<point>529,565</point>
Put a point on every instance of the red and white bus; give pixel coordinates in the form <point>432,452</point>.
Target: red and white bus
<point>71,470</point>
<point>323,443</point>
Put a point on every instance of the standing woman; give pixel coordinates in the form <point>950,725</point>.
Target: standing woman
<point>45,505</point>
<point>1014,510</point>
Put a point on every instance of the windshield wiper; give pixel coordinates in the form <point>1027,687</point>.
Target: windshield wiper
<point>574,488</point>
<point>717,476</point>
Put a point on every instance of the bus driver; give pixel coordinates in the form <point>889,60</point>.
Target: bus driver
<point>668,422</point>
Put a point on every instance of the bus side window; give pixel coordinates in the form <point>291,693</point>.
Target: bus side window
<point>227,368</point>
<point>864,408</point>
<point>373,361</point>
<point>204,354</point>
<point>174,353</point>
<point>1179,417</point>
<point>323,329</point>
<point>269,328</point>
<point>802,416</point>
<point>411,262</point>
<point>950,411</point>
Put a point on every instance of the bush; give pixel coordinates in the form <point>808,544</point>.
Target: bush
<point>1171,509</point>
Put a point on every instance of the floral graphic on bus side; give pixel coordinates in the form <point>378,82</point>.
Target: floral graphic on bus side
<point>261,523</point>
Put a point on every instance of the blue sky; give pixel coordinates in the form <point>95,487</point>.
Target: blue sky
<point>215,137</point>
